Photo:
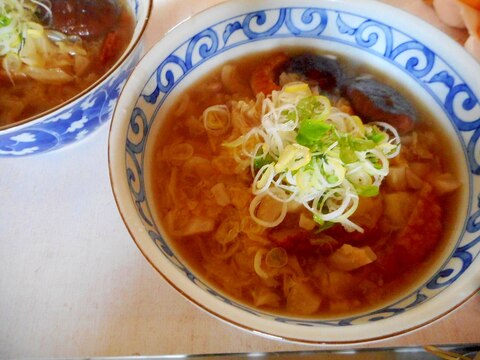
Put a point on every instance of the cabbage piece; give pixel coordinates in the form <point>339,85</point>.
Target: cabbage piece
<point>398,207</point>
<point>348,257</point>
<point>302,299</point>
<point>198,225</point>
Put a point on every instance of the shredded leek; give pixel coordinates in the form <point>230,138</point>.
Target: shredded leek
<point>18,21</point>
<point>309,152</point>
<point>29,47</point>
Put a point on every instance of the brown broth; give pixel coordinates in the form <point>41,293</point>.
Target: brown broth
<point>406,257</point>
<point>25,97</point>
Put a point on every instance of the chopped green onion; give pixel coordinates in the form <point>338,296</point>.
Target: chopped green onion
<point>347,152</point>
<point>368,190</point>
<point>261,161</point>
<point>309,152</point>
<point>4,20</point>
<point>332,179</point>
<point>313,133</point>
<point>362,144</point>
<point>323,225</point>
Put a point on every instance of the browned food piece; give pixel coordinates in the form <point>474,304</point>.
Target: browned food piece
<point>322,70</point>
<point>415,242</point>
<point>303,242</point>
<point>291,238</point>
<point>86,18</point>
<point>375,101</point>
<point>110,47</point>
<point>265,77</point>
<point>325,71</point>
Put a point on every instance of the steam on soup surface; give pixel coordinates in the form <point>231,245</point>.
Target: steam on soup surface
<point>298,184</point>
<point>51,50</point>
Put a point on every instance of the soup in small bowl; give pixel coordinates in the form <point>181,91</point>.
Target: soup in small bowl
<point>62,65</point>
<point>304,170</point>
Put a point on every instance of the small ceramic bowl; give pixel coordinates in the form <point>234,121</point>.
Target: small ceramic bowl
<point>418,57</point>
<point>82,115</point>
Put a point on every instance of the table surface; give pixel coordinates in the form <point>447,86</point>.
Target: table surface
<point>73,283</point>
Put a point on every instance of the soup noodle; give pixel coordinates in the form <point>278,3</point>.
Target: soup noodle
<point>272,187</point>
<point>51,50</point>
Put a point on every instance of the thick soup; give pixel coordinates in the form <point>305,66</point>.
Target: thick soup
<point>299,184</point>
<point>51,50</point>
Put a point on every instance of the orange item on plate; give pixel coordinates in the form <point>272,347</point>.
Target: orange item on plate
<point>472,3</point>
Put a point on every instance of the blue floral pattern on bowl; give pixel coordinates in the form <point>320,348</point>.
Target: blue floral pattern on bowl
<point>76,119</point>
<point>415,59</point>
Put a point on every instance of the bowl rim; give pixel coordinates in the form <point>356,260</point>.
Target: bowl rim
<point>209,308</point>
<point>132,45</point>
<point>266,334</point>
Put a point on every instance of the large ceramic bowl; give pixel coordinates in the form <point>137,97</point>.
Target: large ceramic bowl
<point>430,65</point>
<point>82,115</point>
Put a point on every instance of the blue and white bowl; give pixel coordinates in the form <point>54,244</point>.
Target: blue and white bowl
<point>82,115</point>
<point>420,58</point>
